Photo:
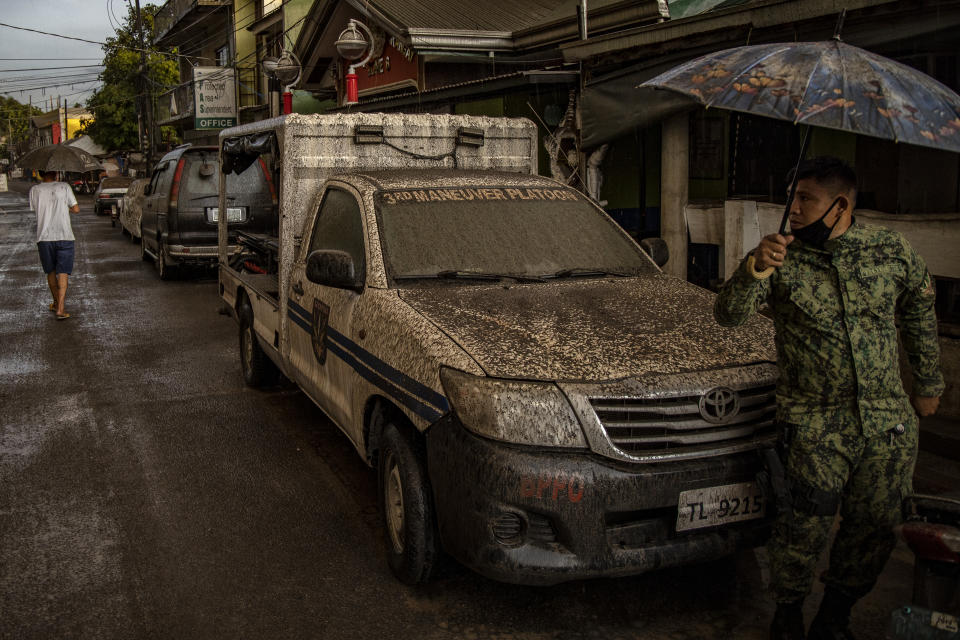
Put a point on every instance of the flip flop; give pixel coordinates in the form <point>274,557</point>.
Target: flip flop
<point>53,307</point>
<point>63,316</point>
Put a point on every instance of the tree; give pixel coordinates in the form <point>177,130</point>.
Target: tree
<point>15,119</point>
<point>115,125</point>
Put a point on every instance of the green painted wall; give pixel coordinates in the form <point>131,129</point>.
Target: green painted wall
<point>828,142</point>
<point>489,107</point>
<point>714,189</point>
<point>293,12</point>
<point>652,143</point>
<point>622,172</point>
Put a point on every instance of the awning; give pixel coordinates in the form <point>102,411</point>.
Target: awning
<point>613,106</point>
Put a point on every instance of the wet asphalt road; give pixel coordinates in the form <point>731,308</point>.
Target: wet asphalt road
<point>145,492</point>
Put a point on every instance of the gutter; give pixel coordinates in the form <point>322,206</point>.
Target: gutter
<point>762,14</point>
<point>496,84</point>
<point>457,40</point>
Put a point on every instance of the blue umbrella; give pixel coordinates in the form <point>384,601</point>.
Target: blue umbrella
<point>825,84</point>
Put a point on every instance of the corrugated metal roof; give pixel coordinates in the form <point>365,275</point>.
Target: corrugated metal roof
<point>486,15</point>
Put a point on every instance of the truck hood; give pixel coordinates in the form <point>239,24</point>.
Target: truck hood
<point>591,329</point>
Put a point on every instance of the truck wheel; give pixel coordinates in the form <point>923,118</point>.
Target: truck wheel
<point>258,369</point>
<point>167,272</point>
<point>406,508</point>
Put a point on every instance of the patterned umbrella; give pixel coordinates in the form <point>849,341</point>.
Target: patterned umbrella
<point>824,84</point>
<point>59,157</point>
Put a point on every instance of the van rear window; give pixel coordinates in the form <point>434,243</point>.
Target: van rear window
<point>201,178</point>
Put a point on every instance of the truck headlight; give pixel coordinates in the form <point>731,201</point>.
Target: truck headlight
<point>532,413</point>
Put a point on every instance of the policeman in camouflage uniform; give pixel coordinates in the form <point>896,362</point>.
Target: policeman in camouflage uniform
<point>850,429</point>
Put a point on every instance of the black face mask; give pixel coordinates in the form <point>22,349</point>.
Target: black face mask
<point>817,232</point>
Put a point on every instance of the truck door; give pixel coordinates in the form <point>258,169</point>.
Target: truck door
<point>321,317</point>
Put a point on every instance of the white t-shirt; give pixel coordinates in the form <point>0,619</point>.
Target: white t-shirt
<point>52,202</point>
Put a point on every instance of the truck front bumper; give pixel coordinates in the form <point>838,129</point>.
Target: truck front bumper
<point>533,516</point>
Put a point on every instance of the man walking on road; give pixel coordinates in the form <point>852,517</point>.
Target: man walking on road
<point>54,202</point>
<point>850,433</point>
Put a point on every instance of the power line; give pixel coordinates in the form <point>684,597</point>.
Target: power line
<point>48,86</point>
<point>28,80</point>
<point>79,66</point>
<point>31,59</point>
<point>102,44</point>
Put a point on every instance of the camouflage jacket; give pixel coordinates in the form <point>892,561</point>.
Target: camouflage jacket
<point>836,336</point>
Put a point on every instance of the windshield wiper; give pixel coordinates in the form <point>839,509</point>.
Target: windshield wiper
<point>459,274</point>
<point>212,195</point>
<point>586,272</point>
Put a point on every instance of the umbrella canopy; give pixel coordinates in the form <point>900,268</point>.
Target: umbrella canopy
<point>825,84</point>
<point>59,157</point>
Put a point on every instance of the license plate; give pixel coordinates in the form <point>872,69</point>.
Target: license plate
<point>714,506</point>
<point>234,214</point>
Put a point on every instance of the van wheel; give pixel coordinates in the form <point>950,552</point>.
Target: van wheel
<point>406,508</point>
<point>167,272</point>
<point>258,369</point>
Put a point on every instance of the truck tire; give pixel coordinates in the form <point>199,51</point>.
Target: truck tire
<point>406,508</point>
<point>258,369</point>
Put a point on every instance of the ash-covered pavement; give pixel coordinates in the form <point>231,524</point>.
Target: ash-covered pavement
<point>146,493</point>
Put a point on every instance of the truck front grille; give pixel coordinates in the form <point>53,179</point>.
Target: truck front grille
<point>641,427</point>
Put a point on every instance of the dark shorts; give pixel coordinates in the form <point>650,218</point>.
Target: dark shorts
<point>56,256</point>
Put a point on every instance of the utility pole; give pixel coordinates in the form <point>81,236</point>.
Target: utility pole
<point>145,90</point>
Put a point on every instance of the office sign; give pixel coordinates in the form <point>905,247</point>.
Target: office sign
<point>215,101</point>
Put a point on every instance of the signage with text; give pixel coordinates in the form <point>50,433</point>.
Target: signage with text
<point>397,63</point>
<point>215,104</point>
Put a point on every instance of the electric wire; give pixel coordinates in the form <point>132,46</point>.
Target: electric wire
<point>102,44</point>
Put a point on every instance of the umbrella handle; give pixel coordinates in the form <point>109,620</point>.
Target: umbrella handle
<point>793,184</point>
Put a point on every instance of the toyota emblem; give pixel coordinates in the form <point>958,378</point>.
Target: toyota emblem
<point>719,405</point>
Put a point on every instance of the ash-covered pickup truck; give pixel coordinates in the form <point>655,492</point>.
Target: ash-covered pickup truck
<point>539,400</point>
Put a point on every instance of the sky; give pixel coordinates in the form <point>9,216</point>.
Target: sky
<point>88,19</point>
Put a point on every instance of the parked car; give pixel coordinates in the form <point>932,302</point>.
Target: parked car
<point>180,211</point>
<point>108,196</point>
<point>131,208</point>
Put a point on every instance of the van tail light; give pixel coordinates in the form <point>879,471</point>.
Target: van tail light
<point>104,195</point>
<point>937,542</point>
<point>175,188</point>
<point>269,179</point>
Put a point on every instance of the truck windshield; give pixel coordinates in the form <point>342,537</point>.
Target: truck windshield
<point>514,231</point>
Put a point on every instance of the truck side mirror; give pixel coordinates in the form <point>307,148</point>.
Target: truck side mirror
<point>657,249</point>
<point>146,190</point>
<point>332,268</point>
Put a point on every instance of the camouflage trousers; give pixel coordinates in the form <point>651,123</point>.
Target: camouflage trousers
<point>868,477</point>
